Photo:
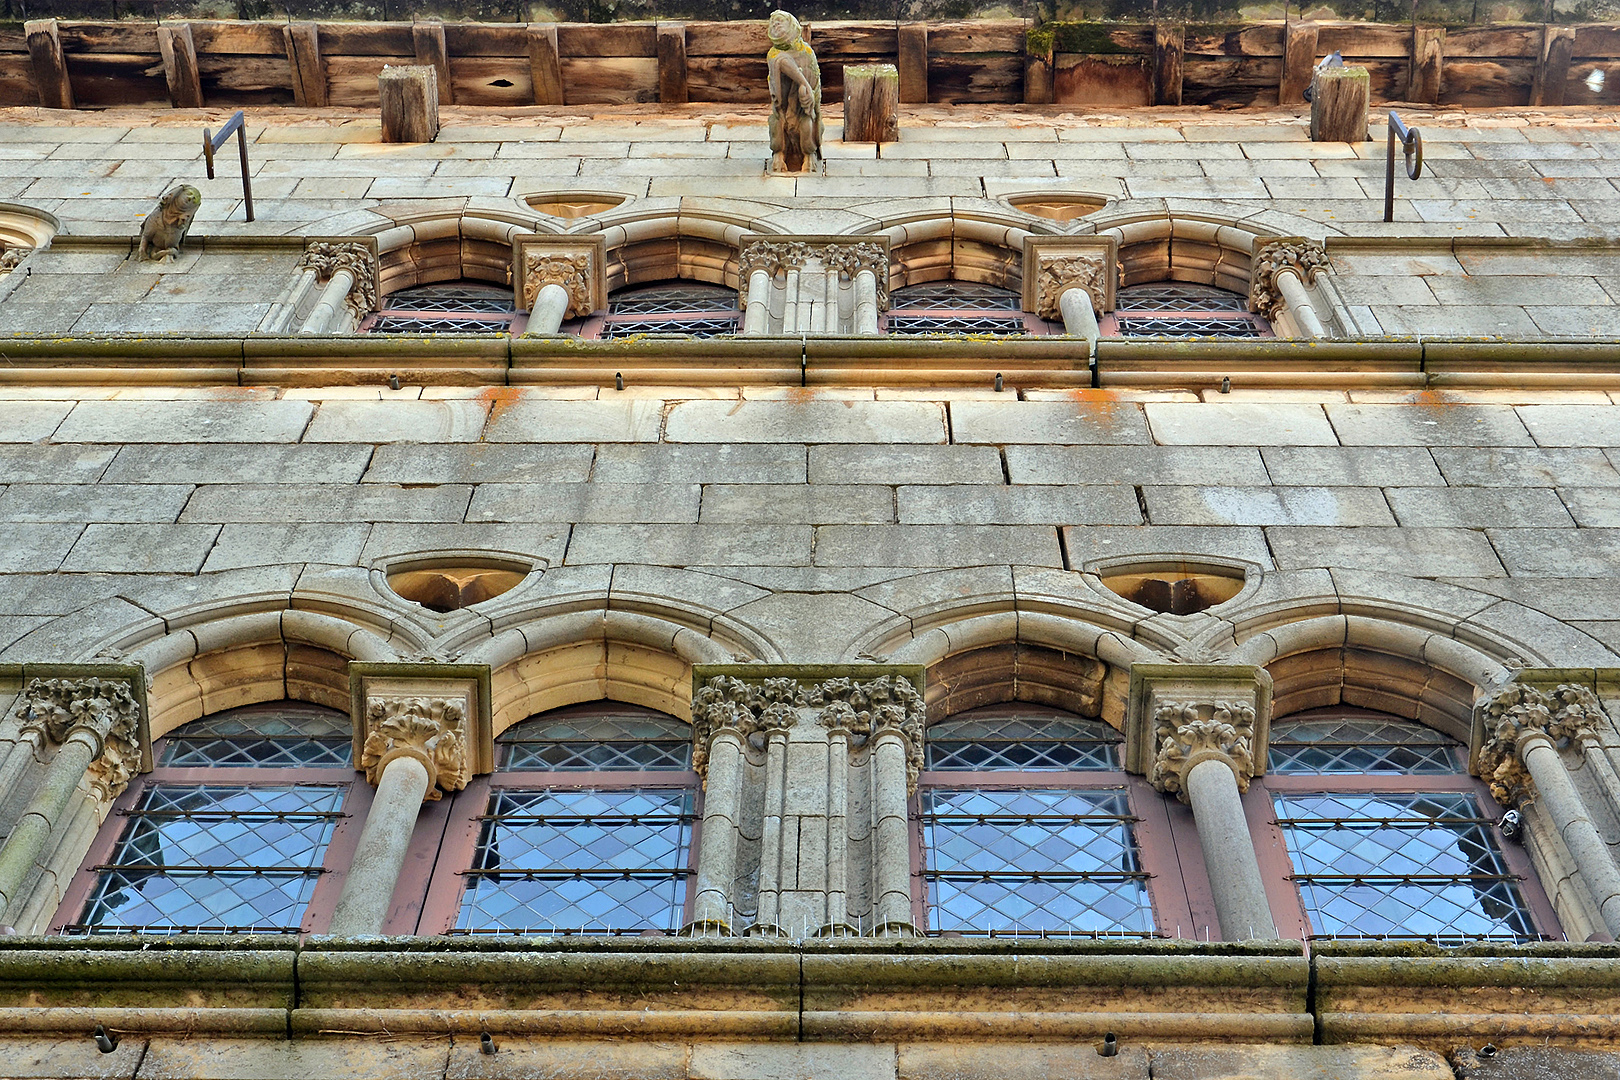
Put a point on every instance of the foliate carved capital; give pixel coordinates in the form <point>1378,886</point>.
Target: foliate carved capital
<point>1057,276</point>
<point>571,272</point>
<point>327,258</point>
<point>888,704</point>
<point>431,730</point>
<point>1515,713</point>
<point>1304,257</point>
<point>847,260</point>
<point>772,256</point>
<point>106,709</point>
<point>1188,732</point>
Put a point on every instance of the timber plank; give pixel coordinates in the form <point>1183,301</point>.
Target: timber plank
<point>52,81</point>
<point>367,39</point>
<point>1477,83</point>
<point>735,79</point>
<point>16,81</point>
<point>236,38</point>
<point>545,74</point>
<point>858,42</point>
<point>107,79</point>
<point>180,65</point>
<point>493,81</point>
<point>1494,41</point>
<point>975,36</point>
<point>485,39</point>
<point>13,40</point>
<point>1169,53</point>
<point>1597,41</point>
<point>1581,81</point>
<point>1552,73</point>
<point>963,80</point>
<point>117,37</point>
<point>1231,83</point>
<point>913,64</point>
<point>609,80</point>
<point>672,63</point>
<point>1363,41</point>
<point>427,38</point>
<point>616,39</point>
<point>1263,39</point>
<point>238,80</point>
<point>1387,79</point>
<point>1106,79</point>
<point>743,38</point>
<point>306,70</point>
<point>352,80</point>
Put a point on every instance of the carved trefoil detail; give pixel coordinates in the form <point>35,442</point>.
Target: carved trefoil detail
<point>1567,715</point>
<point>431,730</point>
<point>1307,258</point>
<point>1188,732</point>
<point>106,709</point>
<point>327,258</point>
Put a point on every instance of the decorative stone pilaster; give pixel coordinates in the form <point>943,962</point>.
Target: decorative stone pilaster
<point>1190,732</point>
<point>575,264</point>
<point>355,261</point>
<point>1054,265</point>
<point>822,284</point>
<point>1291,254</point>
<point>832,754</point>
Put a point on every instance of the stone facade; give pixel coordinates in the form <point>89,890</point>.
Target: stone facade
<point>811,542</point>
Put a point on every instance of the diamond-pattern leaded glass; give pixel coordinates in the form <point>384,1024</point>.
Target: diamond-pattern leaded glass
<point>1178,326</point>
<point>1022,742</point>
<point>216,858</point>
<point>460,297</point>
<point>580,860</point>
<point>291,737</point>
<point>955,296</point>
<point>1178,296</point>
<point>1004,325</point>
<point>422,324</point>
<point>1361,745</point>
<point>697,326</point>
<point>672,300</point>
<point>631,741</point>
<point>1036,860</point>
<point>1409,865</point>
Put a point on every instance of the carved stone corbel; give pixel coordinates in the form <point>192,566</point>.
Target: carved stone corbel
<point>359,260</point>
<point>1516,713</point>
<point>108,709</point>
<point>435,713</point>
<point>12,257</point>
<point>576,264</point>
<point>1304,257</point>
<point>1189,732</point>
<point>1055,264</point>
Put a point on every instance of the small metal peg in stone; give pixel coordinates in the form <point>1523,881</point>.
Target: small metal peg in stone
<point>104,1042</point>
<point>393,382</point>
<point>1226,384</point>
<point>1110,1045</point>
<point>999,382</point>
<point>486,1043</point>
<point>618,380</point>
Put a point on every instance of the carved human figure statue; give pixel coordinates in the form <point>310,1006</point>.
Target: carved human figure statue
<point>165,228</point>
<point>795,82</point>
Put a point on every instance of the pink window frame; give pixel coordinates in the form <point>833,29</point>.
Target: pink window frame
<point>335,865</point>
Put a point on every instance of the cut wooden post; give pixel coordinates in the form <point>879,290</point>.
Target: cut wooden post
<point>1339,98</point>
<point>1037,79</point>
<point>913,63</point>
<point>1299,57</point>
<point>428,37</point>
<point>180,65</point>
<point>544,67</point>
<point>1428,56</point>
<point>1169,49</point>
<point>871,103</point>
<point>1552,73</point>
<point>409,94</point>
<point>50,64</point>
<point>303,45</point>
<point>672,63</point>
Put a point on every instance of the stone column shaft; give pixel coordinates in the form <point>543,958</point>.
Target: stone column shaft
<point>1229,859</point>
<point>1568,812</point>
<point>326,309</point>
<point>757,319</point>
<point>1299,304</point>
<point>380,855</point>
<point>27,840</point>
<point>790,303</point>
<point>770,842</point>
<point>1079,317</point>
<point>866,304</point>
<point>286,305</point>
<point>837,828</point>
<point>18,757</point>
<point>717,854</point>
<point>550,305</point>
<point>891,832</point>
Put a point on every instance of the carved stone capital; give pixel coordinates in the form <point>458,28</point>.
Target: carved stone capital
<point>1189,732</point>
<point>12,257</point>
<point>435,713</point>
<point>1181,714</point>
<point>1304,257</point>
<point>328,257</point>
<point>1506,719</point>
<point>844,256</point>
<point>108,709</point>
<point>847,260</point>
<point>1055,264</point>
<point>749,700</point>
<point>574,263</point>
<point>431,730</point>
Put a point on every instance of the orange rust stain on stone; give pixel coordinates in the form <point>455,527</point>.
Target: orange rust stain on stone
<point>500,398</point>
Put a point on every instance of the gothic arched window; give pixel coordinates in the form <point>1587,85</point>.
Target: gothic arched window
<point>680,307</point>
<point>1387,836</point>
<point>245,824</point>
<point>585,826</point>
<point>1030,826</point>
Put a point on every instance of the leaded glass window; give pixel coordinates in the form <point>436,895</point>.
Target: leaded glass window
<point>1388,837</point>
<point>459,307</point>
<point>958,307</point>
<point>587,826</point>
<point>1178,309</point>
<point>682,308</point>
<point>232,832</point>
<point>1028,828</point>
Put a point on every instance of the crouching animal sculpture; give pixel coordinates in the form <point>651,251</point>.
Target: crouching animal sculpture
<point>165,228</point>
<point>795,82</point>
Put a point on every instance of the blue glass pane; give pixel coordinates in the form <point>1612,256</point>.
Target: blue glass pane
<point>1353,746</point>
<point>1022,743</point>
<point>594,742</point>
<point>295,736</point>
